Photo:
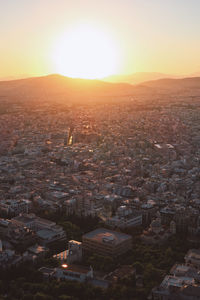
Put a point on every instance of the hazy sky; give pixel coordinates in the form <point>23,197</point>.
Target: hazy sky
<point>152,35</point>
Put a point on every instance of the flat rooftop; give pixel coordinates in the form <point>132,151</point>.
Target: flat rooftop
<point>46,234</point>
<point>194,253</point>
<point>47,271</point>
<point>27,218</point>
<point>76,269</point>
<point>102,235</point>
<point>23,219</point>
<point>176,281</point>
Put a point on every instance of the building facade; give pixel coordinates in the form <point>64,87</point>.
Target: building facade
<point>106,242</point>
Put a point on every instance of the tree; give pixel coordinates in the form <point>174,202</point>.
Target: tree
<point>65,297</point>
<point>139,267</point>
<point>28,297</point>
<point>41,296</point>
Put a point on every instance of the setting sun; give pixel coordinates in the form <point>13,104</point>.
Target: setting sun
<point>85,52</point>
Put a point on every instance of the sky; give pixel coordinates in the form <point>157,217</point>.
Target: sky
<point>149,35</point>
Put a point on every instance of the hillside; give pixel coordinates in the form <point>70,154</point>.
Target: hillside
<point>61,88</point>
<point>175,85</point>
<point>138,77</point>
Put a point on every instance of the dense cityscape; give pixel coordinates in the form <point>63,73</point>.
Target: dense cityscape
<point>100,200</point>
<point>99,150</point>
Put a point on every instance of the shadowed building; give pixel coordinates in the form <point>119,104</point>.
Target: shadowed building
<point>106,242</point>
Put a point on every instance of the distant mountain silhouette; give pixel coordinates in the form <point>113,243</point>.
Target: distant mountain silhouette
<point>174,84</point>
<point>14,77</point>
<point>57,87</point>
<point>196,74</point>
<point>138,77</point>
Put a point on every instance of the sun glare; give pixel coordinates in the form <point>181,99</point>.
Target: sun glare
<point>86,52</point>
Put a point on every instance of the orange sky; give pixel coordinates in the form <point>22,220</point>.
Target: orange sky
<point>152,36</point>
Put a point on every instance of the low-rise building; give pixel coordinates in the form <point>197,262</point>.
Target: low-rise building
<point>8,258</point>
<point>106,242</point>
<point>193,258</point>
<point>172,288</point>
<point>72,255</point>
<point>48,236</point>
<point>183,282</point>
<point>34,253</point>
<point>69,272</point>
<point>46,231</point>
<point>125,217</point>
<point>157,233</point>
<point>15,207</point>
<point>33,222</point>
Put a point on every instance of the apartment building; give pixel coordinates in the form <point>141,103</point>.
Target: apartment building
<point>106,242</point>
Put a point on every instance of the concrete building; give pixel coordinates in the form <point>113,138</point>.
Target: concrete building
<point>72,254</point>
<point>167,215</point>
<point>193,258</point>
<point>15,207</point>
<point>106,242</point>
<point>34,253</point>
<point>46,231</point>
<point>48,236</point>
<point>173,288</point>
<point>148,212</point>
<point>157,233</point>
<point>33,222</point>
<point>69,272</point>
<point>75,252</point>
<point>8,258</point>
<point>183,282</point>
<point>125,217</point>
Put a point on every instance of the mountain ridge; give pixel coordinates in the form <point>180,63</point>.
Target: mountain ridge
<point>57,86</point>
<point>139,77</point>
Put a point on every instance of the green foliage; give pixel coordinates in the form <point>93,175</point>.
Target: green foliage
<point>1,287</point>
<point>51,262</point>
<point>73,225</point>
<point>73,231</point>
<point>28,296</point>
<point>41,296</point>
<point>101,263</point>
<point>139,267</point>
<point>65,297</point>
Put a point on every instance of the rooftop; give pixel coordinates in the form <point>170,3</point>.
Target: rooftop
<point>105,235</point>
<point>47,271</point>
<point>46,233</point>
<point>23,219</point>
<point>77,269</point>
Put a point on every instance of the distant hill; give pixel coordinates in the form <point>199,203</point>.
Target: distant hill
<point>138,77</point>
<point>55,86</point>
<point>61,88</point>
<point>174,84</point>
<point>14,77</point>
